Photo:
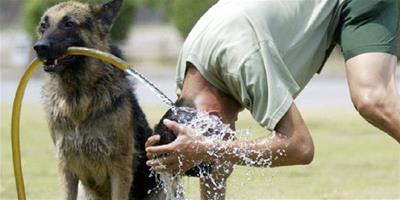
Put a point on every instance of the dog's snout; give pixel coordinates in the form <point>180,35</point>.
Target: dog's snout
<point>42,47</point>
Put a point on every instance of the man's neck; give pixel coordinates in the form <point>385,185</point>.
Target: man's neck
<point>197,91</point>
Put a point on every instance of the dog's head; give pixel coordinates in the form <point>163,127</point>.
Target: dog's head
<point>73,23</point>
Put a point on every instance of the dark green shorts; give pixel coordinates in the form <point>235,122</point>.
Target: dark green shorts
<point>368,26</point>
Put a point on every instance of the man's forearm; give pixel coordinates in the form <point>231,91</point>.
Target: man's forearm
<point>274,150</point>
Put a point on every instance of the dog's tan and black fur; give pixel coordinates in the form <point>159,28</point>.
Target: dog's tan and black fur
<point>96,123</point>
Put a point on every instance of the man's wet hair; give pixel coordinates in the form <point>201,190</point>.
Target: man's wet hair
<point>167,136</point>
<point>173,114</point>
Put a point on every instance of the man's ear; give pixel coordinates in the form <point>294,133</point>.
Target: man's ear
<point>107,12</point>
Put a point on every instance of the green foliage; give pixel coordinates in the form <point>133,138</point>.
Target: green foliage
<point>185,13</point>
<point>33,10</point>
<point>152,3</point>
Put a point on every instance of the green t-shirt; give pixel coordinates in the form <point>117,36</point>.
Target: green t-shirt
<point>260,52</point>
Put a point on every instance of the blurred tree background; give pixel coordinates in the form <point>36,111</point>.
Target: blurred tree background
<point>9,13</point>
<point>33,10</point>
<point>173,19</point>
<point>183,14</point>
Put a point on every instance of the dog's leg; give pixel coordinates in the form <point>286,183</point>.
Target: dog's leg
<point>121,180</point>
<point>70,184</point>
<point>91,194</point>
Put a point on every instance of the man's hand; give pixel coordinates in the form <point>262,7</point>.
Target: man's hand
<point>185,152</point>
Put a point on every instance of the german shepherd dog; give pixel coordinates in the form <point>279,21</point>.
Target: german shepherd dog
<point>96,123</point>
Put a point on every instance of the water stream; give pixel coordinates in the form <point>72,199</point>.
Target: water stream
<point>151,86</point>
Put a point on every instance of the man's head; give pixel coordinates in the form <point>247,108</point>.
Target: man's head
<point>187,115</point>
<point>174,114</point>
<point>205,123</point>
<point>73,23</point>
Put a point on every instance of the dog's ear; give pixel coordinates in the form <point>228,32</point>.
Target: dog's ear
<point>108,11</point>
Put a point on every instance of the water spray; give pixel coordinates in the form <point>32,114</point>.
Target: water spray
<point>32,68</point>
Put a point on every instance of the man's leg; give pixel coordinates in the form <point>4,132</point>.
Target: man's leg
<point>372,82</point>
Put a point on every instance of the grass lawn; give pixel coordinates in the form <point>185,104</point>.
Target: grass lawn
<point>352,160</point>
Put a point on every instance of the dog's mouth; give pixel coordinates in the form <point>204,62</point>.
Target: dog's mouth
<point>58,64</point>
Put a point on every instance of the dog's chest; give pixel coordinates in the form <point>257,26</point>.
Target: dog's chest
<point>84,144</point>
<point>88,157</point>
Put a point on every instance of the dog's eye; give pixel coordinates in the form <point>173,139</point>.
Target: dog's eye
<point>42,27</point>
<point>69,24</point>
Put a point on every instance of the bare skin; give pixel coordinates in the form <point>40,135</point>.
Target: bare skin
<point>372,83</point>
<point>291,135</point>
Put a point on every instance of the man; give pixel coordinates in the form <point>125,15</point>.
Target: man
<point>259,55</point>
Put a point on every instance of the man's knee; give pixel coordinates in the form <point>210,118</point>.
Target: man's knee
<point>372,84</point>
<point>370,104</point>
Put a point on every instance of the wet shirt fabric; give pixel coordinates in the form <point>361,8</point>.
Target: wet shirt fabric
<point>262,53</point>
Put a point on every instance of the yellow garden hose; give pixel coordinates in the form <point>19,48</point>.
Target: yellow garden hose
<point>16,112</point>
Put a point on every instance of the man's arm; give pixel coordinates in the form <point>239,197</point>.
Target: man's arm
<point>296,147</point>
<point>290,145</point>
